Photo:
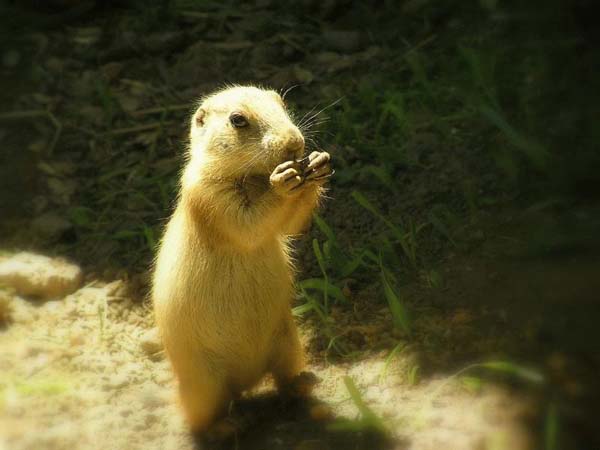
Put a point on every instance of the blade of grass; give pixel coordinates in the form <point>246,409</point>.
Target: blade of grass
<point>399,346</point>
<point>399,313</point>
<point>368,417</point>
<point>510,368</point>
<point>551,428</point>
<point>325,228</point>
<point>399,234</point>
<point>302,309</point>
<point>323,286</point>
<point>321,262</point>
<point>537,154</point>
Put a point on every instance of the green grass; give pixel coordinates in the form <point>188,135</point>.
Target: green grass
<point>366,420</point>
<point>405,236</point>
<point>388,360</point>
<point>400,315</point>
<point>551,428</point>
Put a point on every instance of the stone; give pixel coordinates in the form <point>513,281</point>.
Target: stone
<point>116,381</point>
<point>321,412</point>
<point>153,396</point>
<point>22,312</point>
<point>312,444</point>
<point>150,342</point>
<point>30,274</point>
<point>50,225</point>
<point>11,59</point>
<point>6,308</point>
<point>342,41</point>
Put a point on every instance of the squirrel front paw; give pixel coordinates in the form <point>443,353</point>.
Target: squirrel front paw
<point>290,177</point>
<point>285,178</point>
<point>319,168</point>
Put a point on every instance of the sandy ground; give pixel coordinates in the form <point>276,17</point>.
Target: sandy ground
<point>86,371</point>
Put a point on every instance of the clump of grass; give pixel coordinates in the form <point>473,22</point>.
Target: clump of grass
<point>332,258</point>
<point>336,259</point>
<point>406,237</point>
<point>42,387</point>
<point>367,419</point>
<point>551,427</point>
<point>503,367</point>
<point>327,292</point>
<point>399,313</point>
<point>412,375</point>
<point>507,368</point>
<point>388,360</point>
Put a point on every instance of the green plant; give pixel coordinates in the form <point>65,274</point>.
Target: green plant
<point>388,360</point>
<point>399,312</point>
<point>508,368</point>
<point>341,262</point>
<point>367,419</point>
<point>440,217</point>
<point>312,304</point>
<point>551,427</point>
<point>413,375</point>
<point>407,237</point>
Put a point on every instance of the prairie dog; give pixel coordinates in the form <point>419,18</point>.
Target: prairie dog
<point>223,279</point>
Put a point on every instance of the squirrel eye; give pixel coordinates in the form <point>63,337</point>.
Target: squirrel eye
<point>238,120</point>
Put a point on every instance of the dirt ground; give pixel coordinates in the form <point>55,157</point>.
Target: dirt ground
<point>502,351</point>
<point>83,372</point>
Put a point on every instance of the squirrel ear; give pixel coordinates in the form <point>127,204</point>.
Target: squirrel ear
<point>199,117</point>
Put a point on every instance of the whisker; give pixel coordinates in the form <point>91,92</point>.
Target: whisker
<point>316,123</point>
<point>325,108</point>
<point>301,122</point>
<point>288,90</point>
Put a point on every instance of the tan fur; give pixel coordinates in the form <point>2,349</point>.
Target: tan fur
<point>223,280</point>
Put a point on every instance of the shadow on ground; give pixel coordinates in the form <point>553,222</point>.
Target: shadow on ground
<point>268,422</point>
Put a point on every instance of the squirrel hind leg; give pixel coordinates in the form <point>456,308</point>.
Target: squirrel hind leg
<point>203,395</point>
<point>287,363</point>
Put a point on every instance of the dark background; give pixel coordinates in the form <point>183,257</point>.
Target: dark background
<point>464,136</point>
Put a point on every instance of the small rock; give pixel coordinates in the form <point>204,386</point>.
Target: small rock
<point>40,276</point>
<point>11,59</point>
<point>6,308</point>
<point>321,413</point>
<point>22,312</point>
<point>342,41</point>
<point>39,203</point>
<point>150,342</point>
<point>163,377</point>
<point>61,189</point>
<point>132,369</point>
<point>312,444</point>
<point>116,381</point>
<point>372,393</point>
<point>52,308</point>
<point>126,412</point>
<point>327,58</point>
<point>116,288</point>
<point>151,419</point>
<point>152,396</point>
<point>302,75</point>
<point>51,225</point>
<point>55,65</point>
<point>162,42</point>
<point>112,70</point>
<point>77,339</point>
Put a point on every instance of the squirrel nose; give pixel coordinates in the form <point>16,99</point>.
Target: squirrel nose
<point>294,145</point>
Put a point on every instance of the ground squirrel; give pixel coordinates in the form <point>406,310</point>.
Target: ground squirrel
<point>223,279</point>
